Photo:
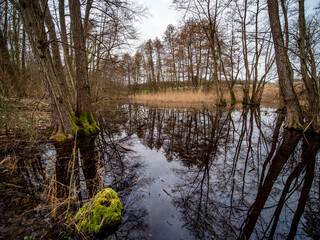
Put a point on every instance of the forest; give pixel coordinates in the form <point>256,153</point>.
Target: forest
<point>209,131</point>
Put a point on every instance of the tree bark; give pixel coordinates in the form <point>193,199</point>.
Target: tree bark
<point>56,52</point>
<point>82,80</point>
<point>32,18</point>
<point>84,123</point>
<point>284,69</point>
<point>66,53</point>
<point>8,74</point>
<point>308,76</point>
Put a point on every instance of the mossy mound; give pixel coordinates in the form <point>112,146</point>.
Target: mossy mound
<point>62,137</point>
<point>103,211</point>
<point>84,125</point>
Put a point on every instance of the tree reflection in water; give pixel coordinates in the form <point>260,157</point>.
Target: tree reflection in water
<point>242,175</point>
<point>198,173</point>
<point>84,167</point>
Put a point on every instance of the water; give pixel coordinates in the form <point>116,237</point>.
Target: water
<point>196,173</point>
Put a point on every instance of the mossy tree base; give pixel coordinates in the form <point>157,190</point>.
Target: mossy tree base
<point>84,125</point>
<point>103,211</point>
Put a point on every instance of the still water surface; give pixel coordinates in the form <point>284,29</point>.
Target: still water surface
<point>198,173</point>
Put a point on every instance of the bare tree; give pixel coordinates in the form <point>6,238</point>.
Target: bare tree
<point>208,13</point>
<point>293,110</point>
<point>308,69</point>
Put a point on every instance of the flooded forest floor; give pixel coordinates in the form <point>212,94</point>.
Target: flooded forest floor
<point>24,124</point>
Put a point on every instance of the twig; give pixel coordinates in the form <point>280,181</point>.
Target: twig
<point>37,107</point>
<point>126,148</point>
<point>307,126</point>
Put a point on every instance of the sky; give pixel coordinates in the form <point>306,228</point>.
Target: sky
<point>161,14</point>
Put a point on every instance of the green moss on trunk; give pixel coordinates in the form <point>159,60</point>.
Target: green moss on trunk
<point>104,210</point>
<point>84,125</point>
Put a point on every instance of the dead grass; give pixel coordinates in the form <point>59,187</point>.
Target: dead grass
<point>185,98</point>
<point>270,96</point>
<point>198,98</point>
<point>23,121</point>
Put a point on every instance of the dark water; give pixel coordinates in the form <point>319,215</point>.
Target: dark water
<point>195,174</point>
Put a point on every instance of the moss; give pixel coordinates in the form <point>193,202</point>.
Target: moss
<point>61,137</point>
<point>49,132</point>
<point>301,128</point>
<point>84,125</point>
<point>104,210</point>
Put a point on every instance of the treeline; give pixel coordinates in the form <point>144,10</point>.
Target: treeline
<point>218,45</point>
<point>191,56</point>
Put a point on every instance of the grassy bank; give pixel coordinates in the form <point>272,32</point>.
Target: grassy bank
<point>194,98</point>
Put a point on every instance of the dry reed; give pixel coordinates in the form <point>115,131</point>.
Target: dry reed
<point>198,98</point>
<point>186,98</point>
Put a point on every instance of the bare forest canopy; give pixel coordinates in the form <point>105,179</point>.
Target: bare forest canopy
<point>77,52</point>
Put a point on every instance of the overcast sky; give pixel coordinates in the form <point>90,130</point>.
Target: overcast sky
<point>161,15</point>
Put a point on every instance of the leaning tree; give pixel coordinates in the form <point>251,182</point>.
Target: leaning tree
<point>295,116</point>
<point>67,118</point>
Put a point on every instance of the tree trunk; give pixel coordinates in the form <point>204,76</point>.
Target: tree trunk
<point>56,52</point>
<point>85,124</point>
<point>66,53</point>
<point>285,73</point>
<point>213,40</point>
<point>8,75</point>
<point>82,80</point>
<point>246,87</point>
<point>308,77</point>
<point>32,18</point>
<point>23,55</point>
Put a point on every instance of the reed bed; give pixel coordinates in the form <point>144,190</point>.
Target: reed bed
<point>193,98</point>
<point>185,97</point>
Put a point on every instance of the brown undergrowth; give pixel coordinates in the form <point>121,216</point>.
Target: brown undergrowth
<point>196,98</point>
<point>23,122</point>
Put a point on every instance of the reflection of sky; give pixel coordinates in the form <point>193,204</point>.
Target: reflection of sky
<point>48,158</point>
<point>171,200</point>
<point>164,218</point>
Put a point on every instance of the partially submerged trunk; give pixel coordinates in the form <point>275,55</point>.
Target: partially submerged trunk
<point>83,121</point>
<point>294,116</point>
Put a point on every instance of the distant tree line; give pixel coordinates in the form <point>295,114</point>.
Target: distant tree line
<point>223,43</point>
